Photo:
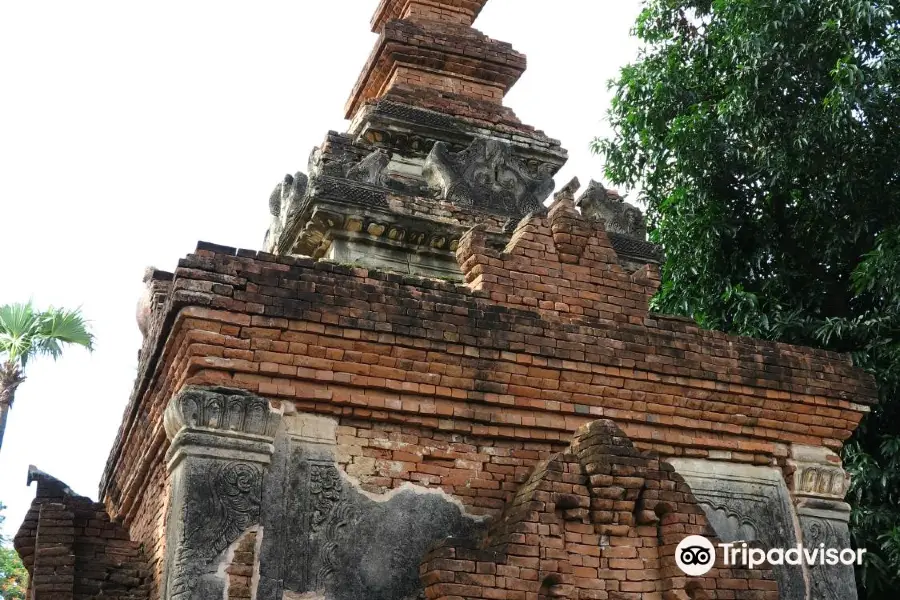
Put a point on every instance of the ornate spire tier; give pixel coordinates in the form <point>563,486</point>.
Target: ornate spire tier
<point>431,151</point>
<point>459,12</point>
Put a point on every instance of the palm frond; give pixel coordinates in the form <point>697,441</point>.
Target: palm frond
<point>18,325</point>
<point>48,347</point>
<point>62,326</point>
<point>26,333</point>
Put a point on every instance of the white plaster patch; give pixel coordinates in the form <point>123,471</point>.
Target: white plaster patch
<point>814,454</point>
<point>289,595</point>
<point>415,489</point>
<point>227,559</point>
<point>406,166</point>
<point>254,579</point>
<point>312,428</point>
<point>698,468</point>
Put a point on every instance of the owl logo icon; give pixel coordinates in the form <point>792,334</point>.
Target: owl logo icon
<point>695,555</point>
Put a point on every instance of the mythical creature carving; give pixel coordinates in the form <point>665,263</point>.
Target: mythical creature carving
<point>145,302</point>
<point>325,488</point>
<point>619,216</point>
<point>229,503</point>
<point>371,169</point>
<point>284,205</point>
<point>487,176</point>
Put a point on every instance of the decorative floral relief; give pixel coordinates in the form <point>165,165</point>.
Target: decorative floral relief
<point>325,489</point>
<point>825,584</point>
<point>215,514</point>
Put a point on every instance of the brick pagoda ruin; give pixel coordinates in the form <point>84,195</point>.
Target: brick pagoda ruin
<point>441,380</point>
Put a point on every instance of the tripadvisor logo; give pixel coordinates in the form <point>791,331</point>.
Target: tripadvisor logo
<point>696,555</point>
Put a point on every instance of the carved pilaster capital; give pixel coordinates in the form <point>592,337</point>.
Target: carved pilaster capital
<point>220,423</point>
<point>816,473</point>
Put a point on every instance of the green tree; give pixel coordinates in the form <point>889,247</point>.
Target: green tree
<point>13,576</point>
<point>763,138</point>
<point>26,333</point>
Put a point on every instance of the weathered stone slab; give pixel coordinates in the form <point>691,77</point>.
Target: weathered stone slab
<point>826,523</point>
<point>819,483</point>
<point>220,446</point>
<point>749,504</point>
<point>326,537</point>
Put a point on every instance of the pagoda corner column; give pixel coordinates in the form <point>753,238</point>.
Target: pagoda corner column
<point>818,484</point>
<point>221,443</point>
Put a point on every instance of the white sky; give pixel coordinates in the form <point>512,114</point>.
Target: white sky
<point>131,130</point>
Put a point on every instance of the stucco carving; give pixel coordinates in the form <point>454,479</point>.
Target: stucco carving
<point>371,169</point>
<point>221,410</point>
<point>819,483</point>
<point>487,176</point>
<point>816,472</point>
<point>619,216</point>
<point>327,537</point>
<point>220,507</point>
<point>284,206</point>
<point>325,490</point>
<point>221,444</point>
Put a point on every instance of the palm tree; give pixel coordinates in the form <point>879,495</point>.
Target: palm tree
<point>26,333</point>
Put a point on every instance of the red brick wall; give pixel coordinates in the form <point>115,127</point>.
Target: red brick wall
<point>73,551</point>
<point>600,520</point>
<point>468,388</point>
<point>481,472</point>
<point>453,51</point>
<point>461,12</point>
<point>149,523</point>
<point>240,571</point>
<point>437,81</point>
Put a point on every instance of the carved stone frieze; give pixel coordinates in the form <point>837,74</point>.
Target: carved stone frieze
<point>412,131</point>
<point>486,176</point>
<point>817,473</point>
<point>345,190</point>
<point>222,410</point>
<point>329,177</point>
<point>597,204</point>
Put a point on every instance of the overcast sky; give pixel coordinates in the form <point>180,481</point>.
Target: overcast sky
<point>131,130</point>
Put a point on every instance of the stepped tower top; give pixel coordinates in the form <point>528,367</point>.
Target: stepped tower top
<point>431,151</point>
